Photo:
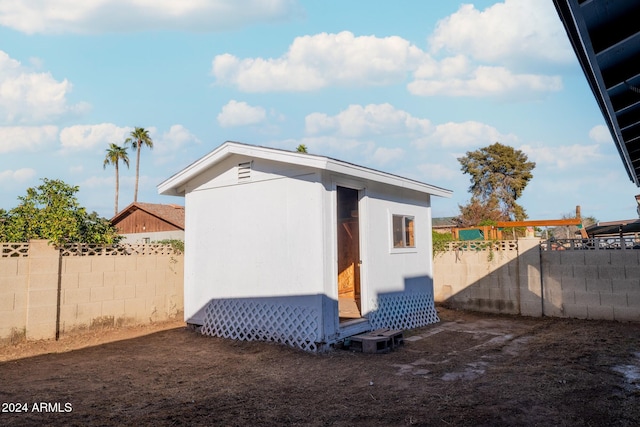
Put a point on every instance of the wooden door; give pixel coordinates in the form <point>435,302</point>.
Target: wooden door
<point>348,237</point>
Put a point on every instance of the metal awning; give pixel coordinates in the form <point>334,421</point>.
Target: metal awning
<point>605,34</point>
<point>614,228</point>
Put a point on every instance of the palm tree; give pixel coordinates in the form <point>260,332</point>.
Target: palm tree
<point>115,153</point>
<point>137,138</point>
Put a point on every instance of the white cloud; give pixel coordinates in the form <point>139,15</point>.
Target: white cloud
<point>340,147</point>
<point>563,157</point>
<point>167,145</point>
<point>349,129</point>
<point>96,16</point>
<point>514,31</point>
<point>17,176</point>
<point>26,138</point>
<point>464,134</point>
<point>29,97</point>
<point>236,113</point>
<point>100,181</point>
<point>384,156</point>
<point>82,137</point>
<point>317,61</point>
<point>373,119</point>
<point>177,137</point>
<point>600,134</point>
<point>492,53</point>
<point>449,67</point>
<point>486,81</point>
<point>322,60</point>
<point>437,172</point>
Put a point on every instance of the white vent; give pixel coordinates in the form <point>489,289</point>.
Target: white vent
<point>244,171</point>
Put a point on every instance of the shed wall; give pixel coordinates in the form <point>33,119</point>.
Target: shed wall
<point>256,239</point>
<point>388,269</point>
<point>261,246</point>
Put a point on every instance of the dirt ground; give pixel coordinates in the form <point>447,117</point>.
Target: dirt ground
<point>468,370</point>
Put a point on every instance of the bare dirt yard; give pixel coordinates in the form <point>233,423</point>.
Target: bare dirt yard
<point>468,370</point>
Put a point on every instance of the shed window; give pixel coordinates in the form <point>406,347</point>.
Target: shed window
<point>403,231</point>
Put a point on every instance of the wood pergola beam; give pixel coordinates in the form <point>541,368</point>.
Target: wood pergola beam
<point>539,223</point>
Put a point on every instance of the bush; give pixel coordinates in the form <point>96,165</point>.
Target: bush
<point>440,242</point>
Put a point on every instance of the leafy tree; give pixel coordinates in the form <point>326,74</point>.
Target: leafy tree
<point>4,224</point>
<point>98,230</point>
<point>115,153</point>
<point>499,175</point>
<point>569,231</point>
<point>138,138</point>
<point>478,213</point>
<point>301,148</point>
<point>51,211</point>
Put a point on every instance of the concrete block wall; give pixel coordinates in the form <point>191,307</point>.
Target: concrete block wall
<point>13,296</point>
<point>527,264</point>
<point>600,284</point>
<point>493,274</point>
<point>94,291</point>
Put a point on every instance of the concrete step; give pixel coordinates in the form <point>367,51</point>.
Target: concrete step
<point>378,341</point>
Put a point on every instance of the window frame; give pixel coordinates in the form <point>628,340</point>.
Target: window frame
<point>405,230</point>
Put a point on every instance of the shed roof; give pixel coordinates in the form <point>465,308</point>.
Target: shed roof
<point>605,36</point>
<point>173,214</point>
<point>175,185</point>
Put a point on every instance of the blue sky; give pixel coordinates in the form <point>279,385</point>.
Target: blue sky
<point>405,87</point>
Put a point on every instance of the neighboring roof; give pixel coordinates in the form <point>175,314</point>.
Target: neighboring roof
<point>613,228</point>
<point>605,35</point>
<point>443,222</point>
<point>173,214</point>
<point>175,185</point>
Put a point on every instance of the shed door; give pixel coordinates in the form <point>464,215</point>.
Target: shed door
<point>348,230</point>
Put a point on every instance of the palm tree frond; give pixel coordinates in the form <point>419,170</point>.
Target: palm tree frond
<point>115,153</point>
<point>138,138</point>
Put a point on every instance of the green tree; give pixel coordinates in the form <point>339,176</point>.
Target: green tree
<point>138,138</point>
<point>477,213</point>
<point>51,211</point>
<point>301,148</point>
<point>570,231</point>
<point>115,153</point>
<point>499,175</point>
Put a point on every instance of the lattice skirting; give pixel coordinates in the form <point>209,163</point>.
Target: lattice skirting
<point>252,320</point>
<point>403,311</point>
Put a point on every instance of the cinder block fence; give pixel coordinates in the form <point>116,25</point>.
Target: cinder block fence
<point>46,292</point>
<point>531,278</point>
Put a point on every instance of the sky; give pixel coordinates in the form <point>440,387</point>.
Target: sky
<point>405,87</point>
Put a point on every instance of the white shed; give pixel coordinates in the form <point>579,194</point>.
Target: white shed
<point>302,249</point>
